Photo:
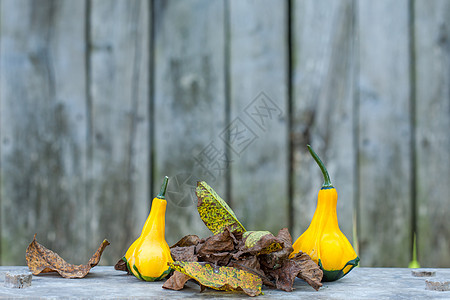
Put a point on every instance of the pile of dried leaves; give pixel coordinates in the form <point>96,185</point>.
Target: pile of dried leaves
<point>241,261</point>
<point>234,259</point>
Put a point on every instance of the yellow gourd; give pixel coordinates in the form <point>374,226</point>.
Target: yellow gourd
<point>148,256</point>
<point>323,241</point>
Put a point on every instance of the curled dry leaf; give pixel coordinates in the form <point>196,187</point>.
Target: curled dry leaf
<point>188,240</point>
<point>216,249</point>
<point>176,282</point>
<point>43,260</point>
<point>275,259</point>
<point>283,270</point>
<point>309,270</point>
<point>217,243</point>
<point>303,267</point>
<point>220,278</point>
<point>121,265</point>
<point>258,242</point>
<point>184,253</point>
<point>184,249</point>
<point>251,264</point>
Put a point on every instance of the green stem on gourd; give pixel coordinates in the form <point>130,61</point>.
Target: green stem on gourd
<point>162,192</point>
<point>327,182</point>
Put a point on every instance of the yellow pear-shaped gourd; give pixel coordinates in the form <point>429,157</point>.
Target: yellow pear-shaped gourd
<point>148,256</point>
<point>323,241</point>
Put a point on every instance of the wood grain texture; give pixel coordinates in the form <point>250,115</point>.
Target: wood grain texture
<point>258,126</point>
<point>189,107</point>
<point>432,122</point>
<point>43,128</point>
<point>360,283</point>
<point>385,165</point>
<point>118,168</point>
<point>92,92</point>
<point>323,111</point>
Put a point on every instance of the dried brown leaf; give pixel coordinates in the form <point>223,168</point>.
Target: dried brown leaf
<point>121,265</point>
<point>217,249</point>
<point>285,276</point>
<point>188,240</point>
<point>184,249</point>
<point>184,253</point>
<point>301,266</point>
<point>251,264</point>
<point>219,258</point>
<point>217,243</point>
<point>43,260</point>
<point>247,263</point>
<point>283,270</point>
<point>285,237</point>
<point>176,281</point>
<point>275,259</point>
<point>258,242</point>
<point>309,270</point>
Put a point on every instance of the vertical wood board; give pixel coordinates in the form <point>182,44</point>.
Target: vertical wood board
<point>432,121</point>
<point>86,105</point>
<point>43,128</point>
<point>323,113</point>
<point>385,164</point>
<point>189,107</point>
<point>258,127</point>
<point>119,126</point>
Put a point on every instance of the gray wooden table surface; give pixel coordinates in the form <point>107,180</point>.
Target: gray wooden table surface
<point>105,283</point>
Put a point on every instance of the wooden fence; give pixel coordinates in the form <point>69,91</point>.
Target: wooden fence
<point>100,99</point>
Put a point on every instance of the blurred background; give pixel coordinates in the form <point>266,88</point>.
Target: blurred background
<point>99,99</point>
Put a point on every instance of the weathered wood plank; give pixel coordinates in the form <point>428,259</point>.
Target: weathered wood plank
<point>43,127</point>
<point>71,164</point>
<point>323,111</point>
<point>384,133</point>
<point>259,117</point>
<point>361,283</point>
<point>189,107</point>
<point>118,166</point>
<point>432,52</point>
